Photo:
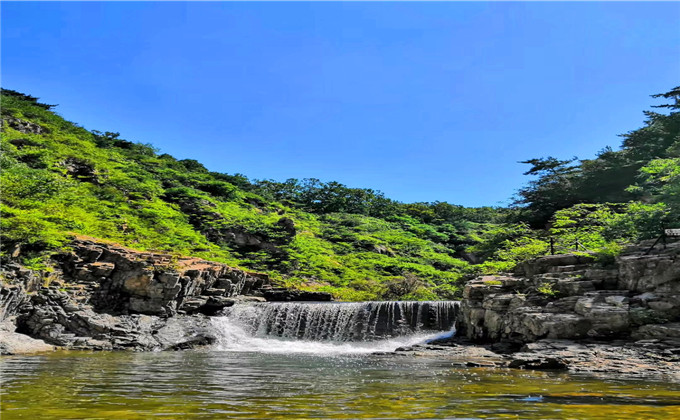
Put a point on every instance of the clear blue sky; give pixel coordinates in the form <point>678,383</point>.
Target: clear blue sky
<point>423,101</point>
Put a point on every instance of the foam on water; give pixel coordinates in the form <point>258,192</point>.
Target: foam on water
<point>333,328</point>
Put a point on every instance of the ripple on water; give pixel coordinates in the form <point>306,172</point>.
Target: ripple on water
<point>257,385</point>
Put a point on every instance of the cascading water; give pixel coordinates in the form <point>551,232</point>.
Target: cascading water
<point>332,328</point>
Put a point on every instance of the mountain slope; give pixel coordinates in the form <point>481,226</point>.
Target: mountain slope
<point>61,180</point>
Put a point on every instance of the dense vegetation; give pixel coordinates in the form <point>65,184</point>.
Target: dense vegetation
<point>60,180</point>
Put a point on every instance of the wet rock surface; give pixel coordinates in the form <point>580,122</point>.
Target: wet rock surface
<point>569,312</point>
<point>12,342</point>
<point>57,319</point>
<point>631,359</point>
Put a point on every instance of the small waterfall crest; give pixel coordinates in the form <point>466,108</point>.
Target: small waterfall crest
<point>356,327</point>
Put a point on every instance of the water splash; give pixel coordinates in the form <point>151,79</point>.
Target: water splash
<point>333,328</point>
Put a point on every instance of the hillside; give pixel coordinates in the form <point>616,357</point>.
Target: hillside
<point>61,181</point>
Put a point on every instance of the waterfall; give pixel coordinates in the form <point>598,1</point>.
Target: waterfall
<point>335,327</point>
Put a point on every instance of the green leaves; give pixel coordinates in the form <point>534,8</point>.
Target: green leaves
<point>59,179</point>
<point>641,170</point>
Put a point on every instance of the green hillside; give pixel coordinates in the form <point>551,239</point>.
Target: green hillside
<point>60,180</point>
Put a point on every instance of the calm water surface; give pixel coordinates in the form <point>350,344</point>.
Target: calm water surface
<point>226,384</point>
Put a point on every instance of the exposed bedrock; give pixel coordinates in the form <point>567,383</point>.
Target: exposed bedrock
<point>121,281</point>
<point>574,297</point>
<point>104,296</point>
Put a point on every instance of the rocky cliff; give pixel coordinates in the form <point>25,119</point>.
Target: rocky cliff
<point>635,297</point>
<point>103,296</point>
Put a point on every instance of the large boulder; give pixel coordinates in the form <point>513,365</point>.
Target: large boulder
<point>573,297</point>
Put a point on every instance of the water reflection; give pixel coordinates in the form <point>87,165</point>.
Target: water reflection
<point>255,385</point>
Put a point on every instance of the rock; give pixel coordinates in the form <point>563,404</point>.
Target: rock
<point>181,333</point>
<point>25,127</point>
<point>287,225</point>
<point>608,320</point>
<point>81,170</point>
<point>661,306</point>
<point>505,347</point>
<point>545,264</point>
<point>246,299</point>
<point>215,304</point>
<point>572,287</point>
<point>477,289</point>
<point>107,297</point>
<point>12,342</point>
<point>100,269</point>
<point>381,249</point>
<point>535,325</point>
<point>645,273</point>
<point>620,301</point>
<point>563,305</point>
<point>12,297</point>
<point>215,292</point>
<point>545,363</point>
<point>498,302</point>
<point>122,281</point>
<point>192,305</point>
<point>657,331</point>
<point>588,300</point>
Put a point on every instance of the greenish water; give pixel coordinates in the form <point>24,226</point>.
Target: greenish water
<point>219,384</point>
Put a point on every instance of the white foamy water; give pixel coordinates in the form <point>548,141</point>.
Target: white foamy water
<point>234,337</point>
<point>333,328</point>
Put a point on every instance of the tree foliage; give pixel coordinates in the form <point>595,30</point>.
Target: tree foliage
<point>642,169</point>
<point>60,180</point>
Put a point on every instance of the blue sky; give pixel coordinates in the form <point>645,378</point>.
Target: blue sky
<point>423,101</point>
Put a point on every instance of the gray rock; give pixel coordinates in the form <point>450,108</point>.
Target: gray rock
<point>538,363</point>
<point>12,342</point>
<point>589,301</point>
<point>25,127</point>
<point>187,332</point>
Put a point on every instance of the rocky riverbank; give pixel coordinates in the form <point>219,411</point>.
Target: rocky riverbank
<point>653,359</point>
<point>576,313</point>
<point>107,297</point>
<point>635,296</point>
<point>564,312</point>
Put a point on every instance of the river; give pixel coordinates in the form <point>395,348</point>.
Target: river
<point>259,371</point>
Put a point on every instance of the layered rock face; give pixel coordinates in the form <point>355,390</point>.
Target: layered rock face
<point>574,297</point>
<point>118,280</point>
<point>108,297</point>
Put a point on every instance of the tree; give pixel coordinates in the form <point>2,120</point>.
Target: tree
<point>563,183</point>
<point>554,189</point>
